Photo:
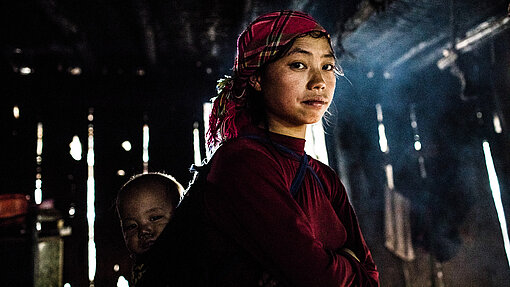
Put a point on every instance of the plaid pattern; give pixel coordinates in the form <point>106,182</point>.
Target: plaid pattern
<point>263,39</point>
<point>257,45</point>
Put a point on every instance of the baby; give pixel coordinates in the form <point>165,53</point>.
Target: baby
<point>145,205</point>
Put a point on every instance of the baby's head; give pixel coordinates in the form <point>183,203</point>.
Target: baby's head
<point>145,205</point>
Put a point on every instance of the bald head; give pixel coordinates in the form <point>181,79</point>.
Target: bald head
<point>145,204</point>
<point>163,184</point>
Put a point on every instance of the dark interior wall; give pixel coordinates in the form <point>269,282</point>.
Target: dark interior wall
<point>194,45</point>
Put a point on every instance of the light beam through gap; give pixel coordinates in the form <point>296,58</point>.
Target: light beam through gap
<point>91,199</point>
<point>496,195</point>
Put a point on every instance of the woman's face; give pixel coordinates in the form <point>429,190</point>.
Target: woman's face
<point>144,213</point>
<point>298,88</point>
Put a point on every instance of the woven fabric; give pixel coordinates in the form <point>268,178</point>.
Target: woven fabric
<point>257,45</point>
<point>262,40</point>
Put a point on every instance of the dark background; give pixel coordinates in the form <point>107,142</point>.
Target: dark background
<point>157,62</point>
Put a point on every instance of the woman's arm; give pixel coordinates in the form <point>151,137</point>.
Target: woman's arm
<point>355,242</point>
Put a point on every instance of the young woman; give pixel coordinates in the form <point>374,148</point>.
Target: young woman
<point>288,212</point>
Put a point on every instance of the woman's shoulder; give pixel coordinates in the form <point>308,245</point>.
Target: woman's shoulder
<point>243,160</point>
<point>243,149</point>
<point>324,169</point>
<point>329,176</point>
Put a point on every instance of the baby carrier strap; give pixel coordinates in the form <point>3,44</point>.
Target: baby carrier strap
<point>303,163</point>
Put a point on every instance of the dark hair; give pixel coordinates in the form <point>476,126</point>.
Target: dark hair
<point>173,189</point>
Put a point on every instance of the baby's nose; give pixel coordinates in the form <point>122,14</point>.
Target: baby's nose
<point>145,231</point>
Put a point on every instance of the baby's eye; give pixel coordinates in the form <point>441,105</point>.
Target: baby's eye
<point>129,227</point>
<point>156,217</point>
<point>297,65</point>
<point>328,67</point>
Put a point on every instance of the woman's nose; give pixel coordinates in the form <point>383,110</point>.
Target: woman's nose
<point>316,81</point>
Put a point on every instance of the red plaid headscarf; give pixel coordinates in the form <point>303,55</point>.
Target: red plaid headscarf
<point>257,45</point>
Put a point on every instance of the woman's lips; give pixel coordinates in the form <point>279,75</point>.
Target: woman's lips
<point>315,103</point>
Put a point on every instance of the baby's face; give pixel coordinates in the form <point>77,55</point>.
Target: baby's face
<point>144,213</point>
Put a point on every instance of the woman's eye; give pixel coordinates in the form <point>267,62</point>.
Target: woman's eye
<point>328,67</point>
<point>297,65</point>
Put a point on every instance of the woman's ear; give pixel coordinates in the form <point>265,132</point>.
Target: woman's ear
<point>255,82</point>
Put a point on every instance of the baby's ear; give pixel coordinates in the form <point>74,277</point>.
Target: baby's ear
<point>255,82</point>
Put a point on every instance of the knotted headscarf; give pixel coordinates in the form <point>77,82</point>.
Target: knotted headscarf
<point>257,45</point>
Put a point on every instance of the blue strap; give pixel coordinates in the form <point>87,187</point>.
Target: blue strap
<point>300,175</point>
<point>303,165</point>
<point>277,145</point>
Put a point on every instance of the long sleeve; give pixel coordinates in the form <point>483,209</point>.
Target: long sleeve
<point>249,200</point>
<point>355,240</point>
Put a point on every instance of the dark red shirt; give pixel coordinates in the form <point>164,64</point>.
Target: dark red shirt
<point>300,239</point>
